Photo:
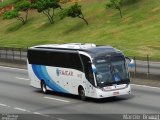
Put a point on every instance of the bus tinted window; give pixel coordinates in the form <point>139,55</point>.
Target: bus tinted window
<point>38,57</point>
<point>57,59</point>
<point>66,60</point>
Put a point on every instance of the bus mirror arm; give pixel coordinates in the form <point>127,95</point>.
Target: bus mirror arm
<point>94,70</point>
<point>127,58</point>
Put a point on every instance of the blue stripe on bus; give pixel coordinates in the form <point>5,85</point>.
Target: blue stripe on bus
<point>42,74</point>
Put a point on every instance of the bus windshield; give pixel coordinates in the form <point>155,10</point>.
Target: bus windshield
<point>111,71</point>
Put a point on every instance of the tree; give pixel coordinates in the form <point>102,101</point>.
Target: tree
<point>115,4</point>
<point>10,14</point>
<point>47,7</point>
<point>73,11</point>
<point>21,6</point>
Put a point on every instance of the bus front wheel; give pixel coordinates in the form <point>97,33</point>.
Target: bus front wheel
<point>81,92</point>
<point>44,87</point>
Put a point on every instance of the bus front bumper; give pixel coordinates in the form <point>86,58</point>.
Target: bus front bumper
<point>104,94</point>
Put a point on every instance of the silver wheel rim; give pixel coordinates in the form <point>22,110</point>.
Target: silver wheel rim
<point>44,88</point>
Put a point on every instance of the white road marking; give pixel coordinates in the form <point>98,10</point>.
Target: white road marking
<point>12,68</point>
<point>37,113</point>
<point>51,98</point>
<point>60,119</point>
<point>145,86</point>
<point>4,105</point>
<point>21,109</point>
<point>22,78</point>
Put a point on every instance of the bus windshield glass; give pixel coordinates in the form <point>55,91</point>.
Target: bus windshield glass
<point>111,70</point>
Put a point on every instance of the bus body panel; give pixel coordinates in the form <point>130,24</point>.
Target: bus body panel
<point>68,80</point>
<point>59,79</point>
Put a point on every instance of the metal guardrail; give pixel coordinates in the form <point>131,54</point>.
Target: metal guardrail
<point>148,67</point>
<point>13,53</point>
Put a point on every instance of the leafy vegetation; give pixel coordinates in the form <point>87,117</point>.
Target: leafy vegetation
<point>73,11</point>
<point>115,4</point>
<point>47,7</point>
<point>136,34</point>
<point>21,6</point>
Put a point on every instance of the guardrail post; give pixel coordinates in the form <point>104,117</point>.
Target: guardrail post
<point>13,53</point>
<point>135,68</point>
<point>0,53</point>
<point>148,64</point>
<point>6,53</point>
<point>20,53</point>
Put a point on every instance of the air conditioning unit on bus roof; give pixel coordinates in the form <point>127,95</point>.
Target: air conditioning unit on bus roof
<point>78,45</point>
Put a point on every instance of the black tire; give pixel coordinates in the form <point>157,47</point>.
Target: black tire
<point>44,87</point>
<point>82,94</point>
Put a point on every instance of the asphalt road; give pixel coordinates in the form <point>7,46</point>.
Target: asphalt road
<point>20,101</point>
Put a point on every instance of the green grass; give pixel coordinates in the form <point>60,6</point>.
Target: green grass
<point>136,34</point>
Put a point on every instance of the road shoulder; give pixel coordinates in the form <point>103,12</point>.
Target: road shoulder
<point>14,64</point>
<point>148,82</point>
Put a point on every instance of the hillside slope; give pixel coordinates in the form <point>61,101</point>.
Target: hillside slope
<point>136,34</point>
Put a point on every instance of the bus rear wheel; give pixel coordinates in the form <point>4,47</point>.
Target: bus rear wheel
<point>43,87</point>
<point>81,92</point>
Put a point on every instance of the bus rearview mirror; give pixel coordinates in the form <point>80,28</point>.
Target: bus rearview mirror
<point>130,62</point>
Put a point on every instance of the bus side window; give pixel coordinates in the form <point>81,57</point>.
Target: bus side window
<point>88,69</point>
<point>38,57</point>
<point>66,60</point>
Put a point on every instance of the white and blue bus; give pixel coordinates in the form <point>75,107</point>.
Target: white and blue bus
<point>86,70</point>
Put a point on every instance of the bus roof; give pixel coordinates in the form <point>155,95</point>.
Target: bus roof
<point>90,48</point>
<point>67,46</point>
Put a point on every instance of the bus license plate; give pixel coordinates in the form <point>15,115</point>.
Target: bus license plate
<point>116,93</point>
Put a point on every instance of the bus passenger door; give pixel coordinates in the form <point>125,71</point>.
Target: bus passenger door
<point>89,84</point>
<point>90,78</point>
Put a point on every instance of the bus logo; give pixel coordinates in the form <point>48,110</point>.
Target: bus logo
<point>64,72</point>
